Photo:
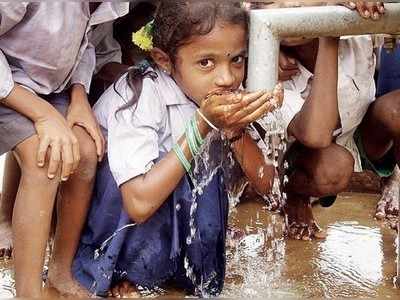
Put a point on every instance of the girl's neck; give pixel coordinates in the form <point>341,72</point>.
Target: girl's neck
<point>306,54</point>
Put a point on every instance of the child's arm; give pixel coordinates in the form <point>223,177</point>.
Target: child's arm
<point>54,134</point>
<point>144,194</point>
<point>80,113</point>
<point>10,15</point>
<point>314,125</point>
<point>251,159</point>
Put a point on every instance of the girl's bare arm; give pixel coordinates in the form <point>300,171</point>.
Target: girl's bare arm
<point>251,159</point>
<point>143,195</point>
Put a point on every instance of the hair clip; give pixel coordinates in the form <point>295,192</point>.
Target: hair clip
<point>143,38</point>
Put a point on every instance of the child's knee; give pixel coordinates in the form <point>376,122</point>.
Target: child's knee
<point>387,110</point>
<point>334,176</point>
<point>31,173</point>
<point>88,158</point>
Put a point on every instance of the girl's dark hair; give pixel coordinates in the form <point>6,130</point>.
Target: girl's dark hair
<point>176,21</point>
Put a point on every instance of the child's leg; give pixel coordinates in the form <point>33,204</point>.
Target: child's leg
<point>318,173</point>
<point>11,179</point>
<point>388,81</point>
<point>388,204</point>
<point>75,195</point>
<point>31,219</point>
<point>381,133</point>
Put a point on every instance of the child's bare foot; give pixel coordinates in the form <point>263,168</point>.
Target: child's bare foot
<point>64,283</point>
<point>124,289</point>
<point>5,241</point>
<point>388,204</point>
<point>300,221</point>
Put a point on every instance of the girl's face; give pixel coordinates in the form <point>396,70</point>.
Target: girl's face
<point>212,62</point>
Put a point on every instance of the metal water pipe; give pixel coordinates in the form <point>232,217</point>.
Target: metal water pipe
<point>269,26</point>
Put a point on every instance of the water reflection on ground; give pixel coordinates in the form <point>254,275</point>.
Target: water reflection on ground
<point>357,259</point>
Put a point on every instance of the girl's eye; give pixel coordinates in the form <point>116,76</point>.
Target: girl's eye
<point>206,63</point>
<point>238,59</point>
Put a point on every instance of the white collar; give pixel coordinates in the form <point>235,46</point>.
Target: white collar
<point>170,91</point>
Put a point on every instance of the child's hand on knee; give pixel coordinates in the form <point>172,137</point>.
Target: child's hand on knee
<point>80,113</point>
<point>57,140</point>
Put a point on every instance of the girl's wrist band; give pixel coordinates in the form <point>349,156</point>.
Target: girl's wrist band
<point>182,158</point>
<point>207,121</point>
<point>191,140</point>
<point>197,134</point>
<point>194,141</point>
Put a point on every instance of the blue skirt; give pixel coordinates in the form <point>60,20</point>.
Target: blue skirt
<point>153,253</point>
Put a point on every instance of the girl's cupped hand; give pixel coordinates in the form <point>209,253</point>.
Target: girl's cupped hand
<point>235,110</point>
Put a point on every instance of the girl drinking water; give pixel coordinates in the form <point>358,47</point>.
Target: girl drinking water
<point>156,119</point>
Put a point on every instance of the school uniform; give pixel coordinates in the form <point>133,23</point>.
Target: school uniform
<point>45,48</point>
<point>151,253</point>
<point>356,90</point>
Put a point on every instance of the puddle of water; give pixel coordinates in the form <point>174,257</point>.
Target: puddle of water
<point>357,259</point>
<point>7,288</point>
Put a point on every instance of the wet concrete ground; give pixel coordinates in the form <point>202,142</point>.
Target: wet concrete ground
<point>357,260</point>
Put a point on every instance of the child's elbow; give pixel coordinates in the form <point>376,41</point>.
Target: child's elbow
<point>138,217</point>
<point>137,210</point>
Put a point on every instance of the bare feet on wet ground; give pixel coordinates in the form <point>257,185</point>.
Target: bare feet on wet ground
<point>64,283</point>
<point>5,241</point>
<point>300,221</point>
<point>124,289</point>
<point>388,205</point>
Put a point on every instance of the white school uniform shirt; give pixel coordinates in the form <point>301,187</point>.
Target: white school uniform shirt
<point>138,135</point>
<point>45,46</point>
<point>356,89</point>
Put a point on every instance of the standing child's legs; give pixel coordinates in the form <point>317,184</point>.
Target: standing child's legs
<point>11,177</point>
<point>72,206</point>
<point>31,219</point>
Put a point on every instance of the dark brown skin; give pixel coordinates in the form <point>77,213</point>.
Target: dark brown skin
<point>313,127</point>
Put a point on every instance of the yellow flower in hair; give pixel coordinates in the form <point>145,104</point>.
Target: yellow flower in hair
<point>144,37</point>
